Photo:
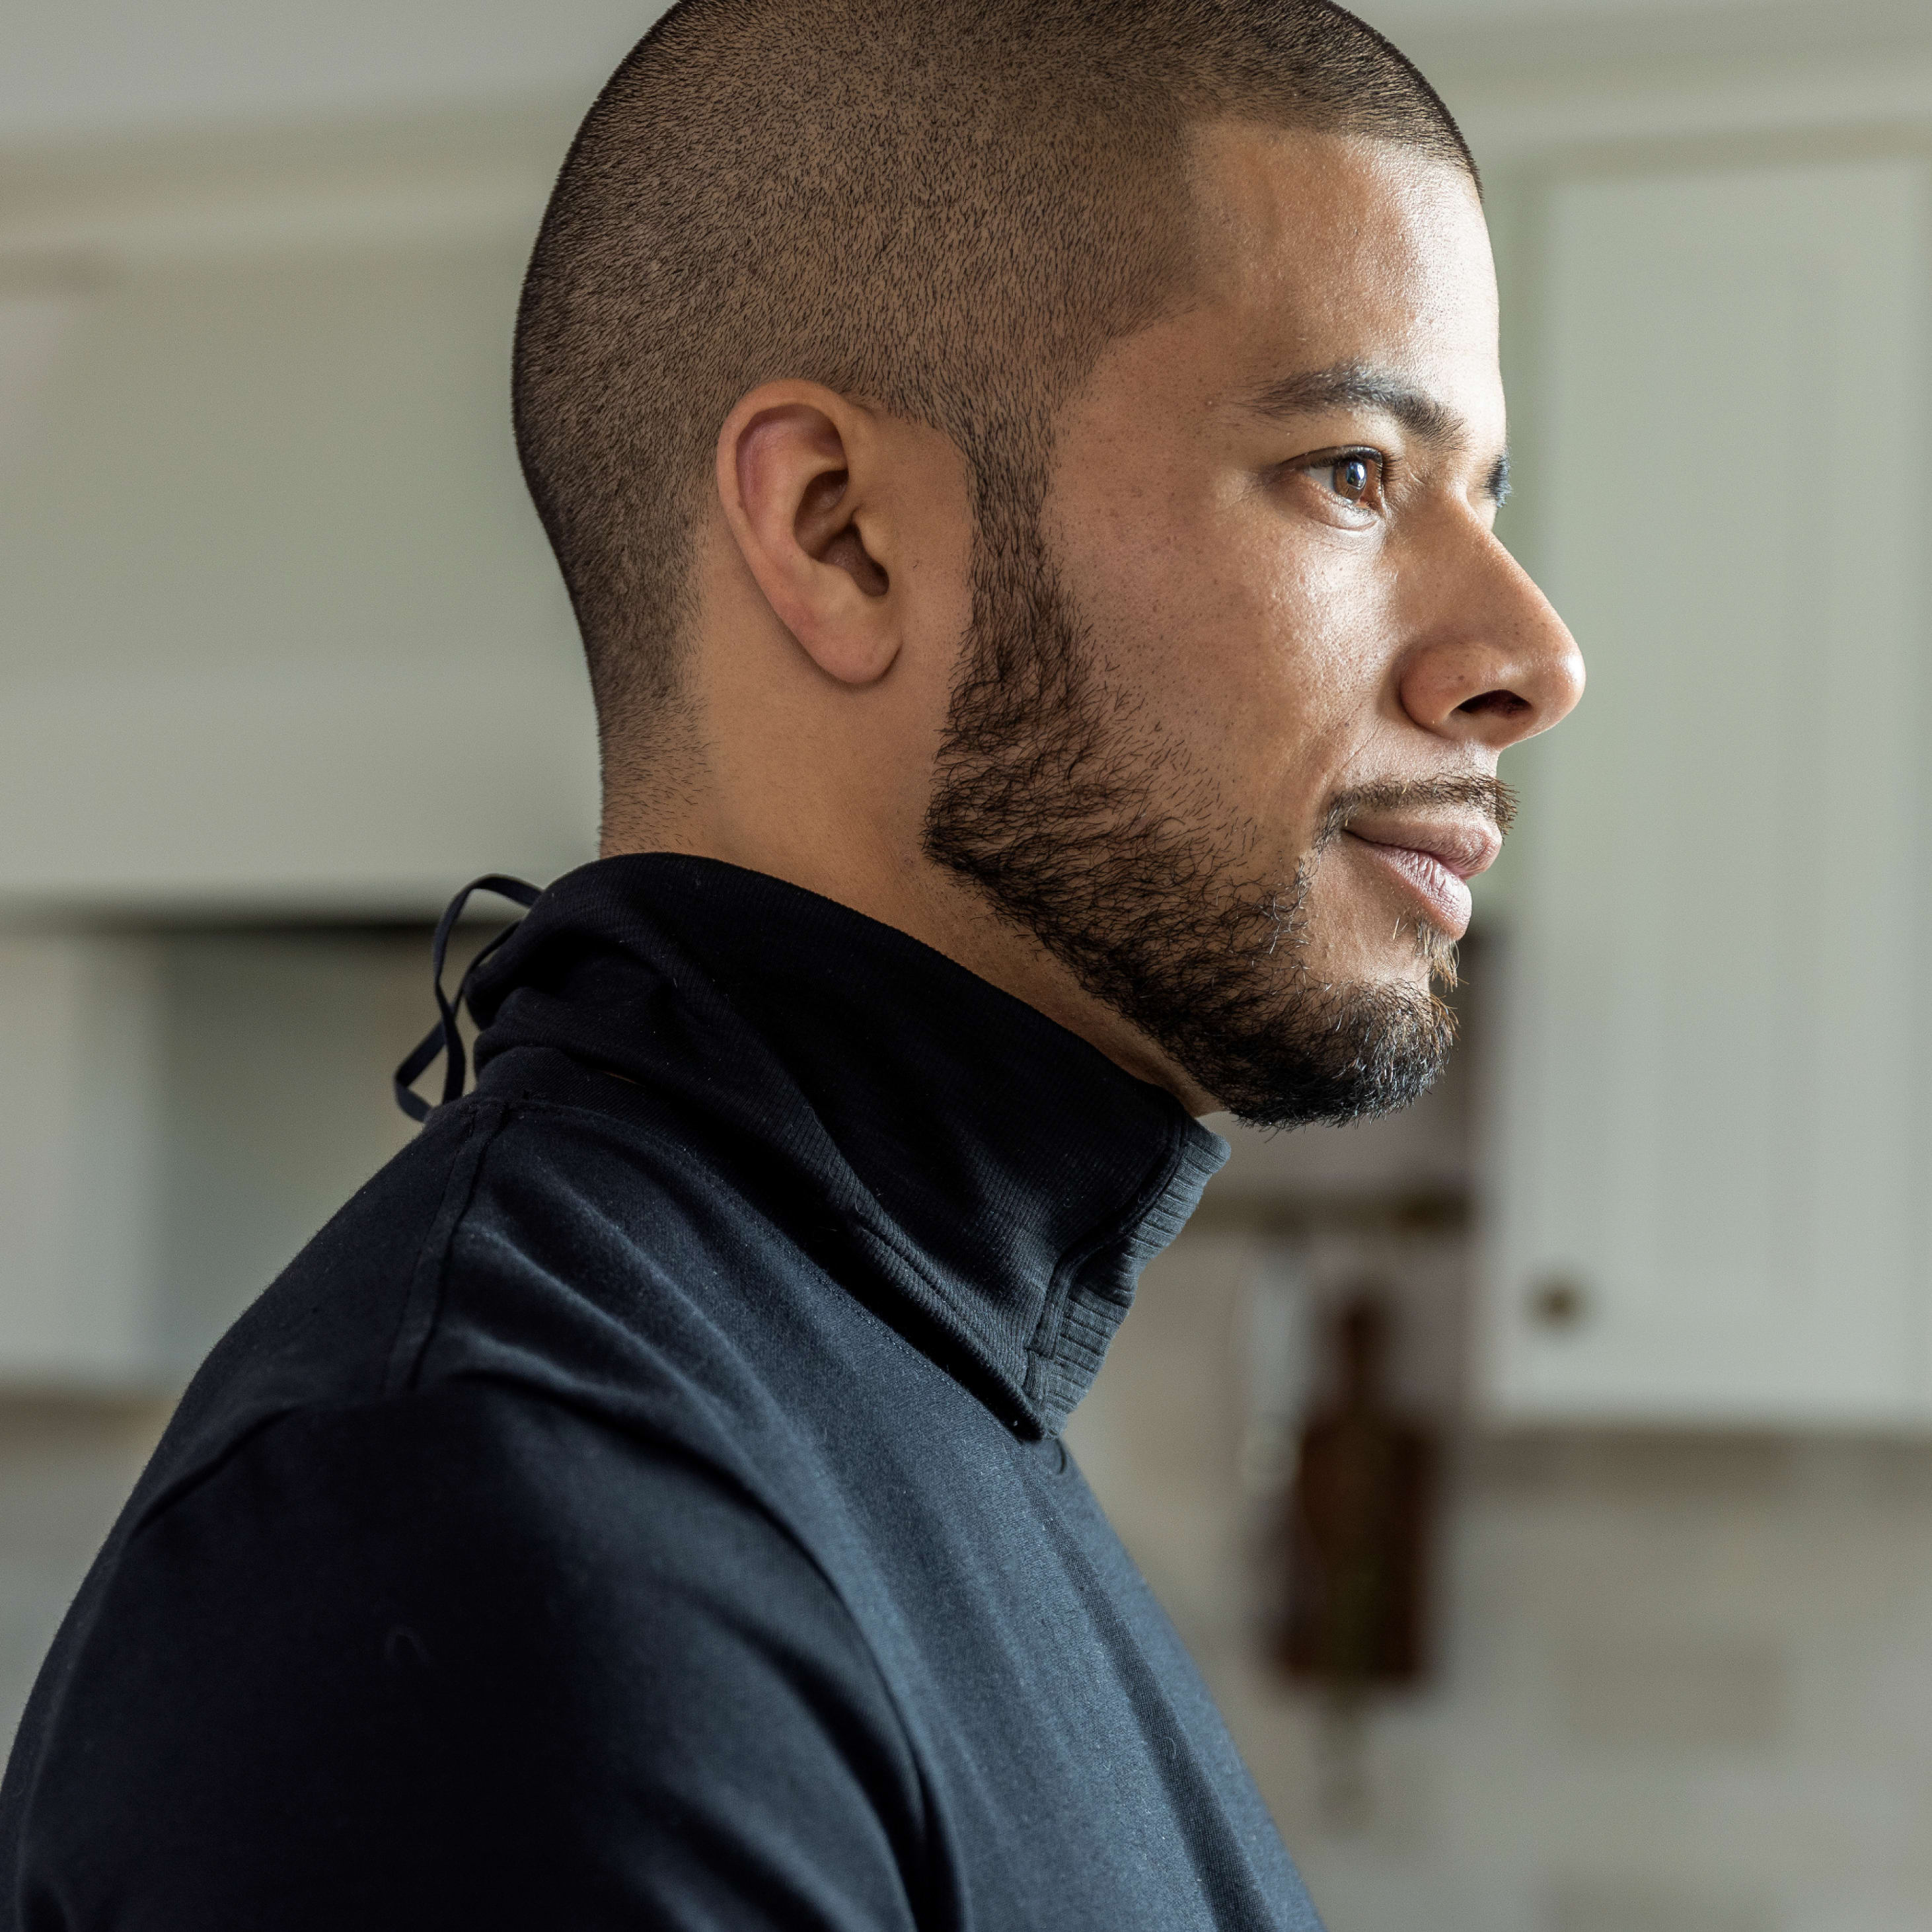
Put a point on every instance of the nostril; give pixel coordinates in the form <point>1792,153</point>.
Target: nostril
<point>1495,704</point>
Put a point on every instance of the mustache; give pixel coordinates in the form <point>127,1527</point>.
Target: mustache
<point>1490,796</point>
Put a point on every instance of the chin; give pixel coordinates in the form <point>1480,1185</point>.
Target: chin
<point>1422,958</point>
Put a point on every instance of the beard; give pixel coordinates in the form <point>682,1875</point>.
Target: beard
<point>1061,799</point>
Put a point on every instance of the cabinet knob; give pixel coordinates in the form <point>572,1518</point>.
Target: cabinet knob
<point>1559,1303</point>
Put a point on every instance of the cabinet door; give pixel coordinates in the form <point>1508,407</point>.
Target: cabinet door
<point>278,629</point>
<point>80,1136</point>
<point>1710,1197</point>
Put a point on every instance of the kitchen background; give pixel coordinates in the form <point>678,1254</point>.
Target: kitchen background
<point>283,660</point>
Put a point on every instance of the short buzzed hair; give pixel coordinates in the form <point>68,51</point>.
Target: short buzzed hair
<point>945,207</point>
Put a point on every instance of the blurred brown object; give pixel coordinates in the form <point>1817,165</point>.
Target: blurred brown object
<point>1359,1522</point>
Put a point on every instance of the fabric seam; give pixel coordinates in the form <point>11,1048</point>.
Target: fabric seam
<point>1063,1291</point>
<point>876,1230</point>
<point>424,1302</point>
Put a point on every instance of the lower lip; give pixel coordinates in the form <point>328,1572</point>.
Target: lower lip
<point>1444,897</point>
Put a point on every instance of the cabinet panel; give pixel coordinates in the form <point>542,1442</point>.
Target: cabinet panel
<point>80,1138</point>
<point>1712,1129</point>
<point>181,1112</point>
<point>277,625</point>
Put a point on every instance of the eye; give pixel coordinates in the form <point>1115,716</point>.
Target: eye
<point>1355,475</point>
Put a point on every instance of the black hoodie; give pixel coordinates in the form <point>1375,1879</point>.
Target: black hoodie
<point>643,1505</point>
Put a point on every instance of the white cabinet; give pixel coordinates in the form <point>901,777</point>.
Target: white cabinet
<point>179,1112</point>
<point>278,627</point>
<point>1711,1200</point>
<point>80,1152</point>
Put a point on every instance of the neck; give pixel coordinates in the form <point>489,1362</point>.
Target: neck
<point>890,880</point>
<point>981,1178</point>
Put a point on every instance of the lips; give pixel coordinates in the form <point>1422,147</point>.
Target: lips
<point>1432,861</point>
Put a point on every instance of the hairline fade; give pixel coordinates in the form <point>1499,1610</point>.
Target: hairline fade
<point>946,207</point>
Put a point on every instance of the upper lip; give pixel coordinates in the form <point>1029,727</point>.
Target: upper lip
<point>1466,846</point>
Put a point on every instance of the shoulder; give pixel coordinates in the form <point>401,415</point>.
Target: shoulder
<point>498,1210</point>
<point>437,1626</point>
<point>470,1493</point>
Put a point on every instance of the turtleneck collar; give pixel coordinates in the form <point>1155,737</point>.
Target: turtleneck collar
<point>999,1182</point>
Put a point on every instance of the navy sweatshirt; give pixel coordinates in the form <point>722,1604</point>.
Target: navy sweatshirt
<point>643,1505</point>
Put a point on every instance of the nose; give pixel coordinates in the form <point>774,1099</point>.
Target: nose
<point>1497,664</point>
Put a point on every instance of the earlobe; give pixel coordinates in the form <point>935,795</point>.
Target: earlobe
<point>797,483</point>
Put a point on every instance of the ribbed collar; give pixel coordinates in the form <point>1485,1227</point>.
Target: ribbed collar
<point>996,1183</point>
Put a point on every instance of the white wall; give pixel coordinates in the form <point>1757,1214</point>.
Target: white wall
<point>278,627</point>
<point>183,1110</point>
<point>76,68</point>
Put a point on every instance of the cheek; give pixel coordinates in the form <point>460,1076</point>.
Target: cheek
<point>1255,651</point>
<point>1310,613</point>
<point>1298,663</point>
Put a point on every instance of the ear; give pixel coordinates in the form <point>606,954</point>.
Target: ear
<point>799,477</point>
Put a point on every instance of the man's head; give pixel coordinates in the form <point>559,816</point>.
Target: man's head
<point>1027,470</point>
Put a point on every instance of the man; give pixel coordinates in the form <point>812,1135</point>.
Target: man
<point>1025,471</point>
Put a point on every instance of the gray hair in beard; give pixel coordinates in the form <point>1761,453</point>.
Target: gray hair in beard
<point>1086,826</point>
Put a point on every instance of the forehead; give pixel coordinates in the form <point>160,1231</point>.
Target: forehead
<point>1319,250</point>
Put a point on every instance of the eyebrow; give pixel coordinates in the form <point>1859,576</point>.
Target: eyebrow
<point>1351,385</point>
